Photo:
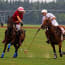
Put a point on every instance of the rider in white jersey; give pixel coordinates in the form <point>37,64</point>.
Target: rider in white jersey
<point>49,15</point>
<point>52,18</point>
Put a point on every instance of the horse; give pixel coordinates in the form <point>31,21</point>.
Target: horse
<point>54,35</point>
<point>13,37</point>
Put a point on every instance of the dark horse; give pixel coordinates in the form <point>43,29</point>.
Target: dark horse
<point>13,37</point>
<point>54,35</point>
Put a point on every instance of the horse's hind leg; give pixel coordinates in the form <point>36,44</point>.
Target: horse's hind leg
<point>4,50</point>
<point>55,55</point>
<point>60,45</point>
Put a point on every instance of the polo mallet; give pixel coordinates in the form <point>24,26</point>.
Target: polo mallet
<point>25,51</point>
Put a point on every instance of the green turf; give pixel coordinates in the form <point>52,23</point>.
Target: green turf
<point>27,25</point>
<point>40,52</point>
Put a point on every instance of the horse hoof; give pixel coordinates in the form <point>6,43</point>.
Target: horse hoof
<point>15,55</point>
<point>55,57</point>
<point>2,55</point>
<point>60,55</point>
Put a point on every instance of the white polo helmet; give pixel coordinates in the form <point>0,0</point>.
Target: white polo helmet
<point>44,11</point>
<point>20,9</point>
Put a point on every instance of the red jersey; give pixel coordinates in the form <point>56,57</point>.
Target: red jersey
<point>15,16</point>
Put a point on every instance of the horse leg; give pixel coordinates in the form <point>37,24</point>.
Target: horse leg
<point>47,36</point>
<point>4,50</point>
<point>55,55</point>
<point>8,47</point>
<point>60,49</point>
<point>16,51</point>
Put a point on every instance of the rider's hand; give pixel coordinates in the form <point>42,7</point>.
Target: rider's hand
<point>41,26</point>
<point>38,29</point>
<point>21,24</point>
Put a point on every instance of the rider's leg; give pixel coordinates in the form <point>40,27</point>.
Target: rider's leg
<point>62,29</point>
<point>18,32</point>
<point>18,27</point>
<point>62,32</point>
<point>54,22</point>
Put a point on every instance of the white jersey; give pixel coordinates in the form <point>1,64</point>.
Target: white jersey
<point>50,15</point>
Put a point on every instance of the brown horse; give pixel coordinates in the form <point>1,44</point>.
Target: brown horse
<point>13,37</point>
<point>54,35</point>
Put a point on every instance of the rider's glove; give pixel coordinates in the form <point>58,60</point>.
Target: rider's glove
<point>21,24</point>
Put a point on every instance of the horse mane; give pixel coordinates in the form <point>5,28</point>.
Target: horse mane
<point>10,20</point>
<point>10,25</point>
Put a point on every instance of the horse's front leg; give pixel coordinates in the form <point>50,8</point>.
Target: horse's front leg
<point>47,35</point>
<point>16,51</point>
<point>10,45</point>
<point>55,55</point>
<point>4,50</point>
<point>60,45</point>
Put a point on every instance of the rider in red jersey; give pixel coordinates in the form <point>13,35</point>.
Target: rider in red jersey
<point>18,16</point>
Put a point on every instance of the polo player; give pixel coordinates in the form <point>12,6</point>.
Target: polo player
<point>54,22</point>
<point>17,19</point>
<point>18,16</point>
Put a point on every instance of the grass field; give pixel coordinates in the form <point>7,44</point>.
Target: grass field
<point>40,52</point>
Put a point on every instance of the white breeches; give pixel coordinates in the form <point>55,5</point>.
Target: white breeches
<point>55,23</point>
<point>63,31</point>
<point>18,26</point>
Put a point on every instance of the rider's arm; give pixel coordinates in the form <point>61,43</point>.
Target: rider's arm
<point>43,18</point>
<point>19,19</point>
<point>53,18</point>
<point>43,21</point>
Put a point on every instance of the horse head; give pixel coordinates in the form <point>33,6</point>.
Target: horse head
<point>10,25</point>
<point>10,21</point>
<point>47,23</point>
